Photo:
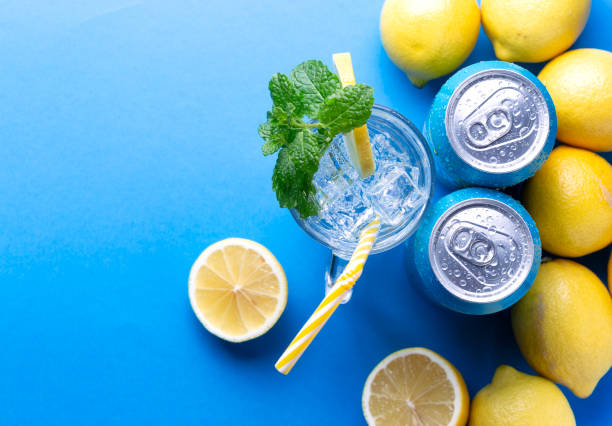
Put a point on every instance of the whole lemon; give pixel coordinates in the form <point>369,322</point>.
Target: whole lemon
<point>610,273</point>
<point>580,83</point>
<point>533,31</point>
<point>428,39</point>
<point>515,398</point>
<point>563,326</point>
<point>570,199</point>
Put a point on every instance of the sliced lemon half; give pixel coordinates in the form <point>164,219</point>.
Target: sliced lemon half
<point>237,289</point>
<point>415,386</point>
<point>357,140</point>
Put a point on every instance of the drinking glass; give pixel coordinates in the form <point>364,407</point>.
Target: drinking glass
<point>399,191</point>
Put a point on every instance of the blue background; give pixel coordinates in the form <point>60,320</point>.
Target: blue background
<point>128,144</point>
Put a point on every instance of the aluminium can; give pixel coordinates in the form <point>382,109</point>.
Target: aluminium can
<point>477,251</point>
<point>491,124</point>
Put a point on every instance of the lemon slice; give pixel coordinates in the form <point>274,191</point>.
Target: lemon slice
<point>415,386</point>
<point>358,140</point>
<point>237,289</point>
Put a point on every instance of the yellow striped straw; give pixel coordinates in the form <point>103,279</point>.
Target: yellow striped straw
<point>345,282</point>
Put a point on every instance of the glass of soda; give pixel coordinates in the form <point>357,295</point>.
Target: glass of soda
<point>399,191</point>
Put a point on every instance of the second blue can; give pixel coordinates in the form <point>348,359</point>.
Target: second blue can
<point>477,251</point>
<point>491,124</point>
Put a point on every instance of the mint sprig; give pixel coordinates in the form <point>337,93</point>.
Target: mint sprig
<point>312,91</point>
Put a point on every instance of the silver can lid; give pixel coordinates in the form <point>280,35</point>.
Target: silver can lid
<point>481,250</point>
<point>497,121</point>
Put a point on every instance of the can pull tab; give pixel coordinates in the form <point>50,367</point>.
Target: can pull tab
<point>492,119</point>
<point>472,246</point>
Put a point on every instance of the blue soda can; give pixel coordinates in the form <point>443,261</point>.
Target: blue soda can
<point>477,251</point>
<point>491,124</point>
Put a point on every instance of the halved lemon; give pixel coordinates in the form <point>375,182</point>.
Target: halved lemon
<point>237,289</point>
<point>415,386</point>
<point>358,140</point>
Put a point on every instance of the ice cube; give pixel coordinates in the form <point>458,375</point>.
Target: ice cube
<point>385,151</point>
<point>327,166</point>
<point>414,172</point>
<point>349,212</point>
<point>382,147</point>
<point>416,197</point>
<point>343,208</point>
<point>329,180</point>
<point>391,193</point>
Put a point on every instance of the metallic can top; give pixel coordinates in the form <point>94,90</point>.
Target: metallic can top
<point>497,121</point>
<point>481,250</point>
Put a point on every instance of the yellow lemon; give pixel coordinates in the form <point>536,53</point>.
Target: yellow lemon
<point>563,326</point>
<point>533,31</point>
<point>237,289</point>
<point>570,199</point>
<point>428,39</point>
<point>610,273</point>
<point>580,83</point>
<point>514,398</point>
<point>357,140</point>
<point>415,386</point>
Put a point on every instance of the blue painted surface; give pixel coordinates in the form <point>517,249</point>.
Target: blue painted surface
<point>451,169</point>
<point>417,254</point>
<point>129,144</point>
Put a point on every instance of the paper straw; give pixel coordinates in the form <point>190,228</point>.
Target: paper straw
<point>345,282</point>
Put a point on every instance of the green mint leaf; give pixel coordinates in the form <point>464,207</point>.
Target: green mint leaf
<point>271,147</point>
<point>315,82</point>
<point>307,205</point>
<point>284,94</point>
<point>282,115</point>
<point>347,109</point>
<point>293,174</point>
<point>305,153</point>
<point>283,179</point>
<point>278,131</point>
<point>275,136</point>
<point>323,139</point>
<point>293,189</point>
